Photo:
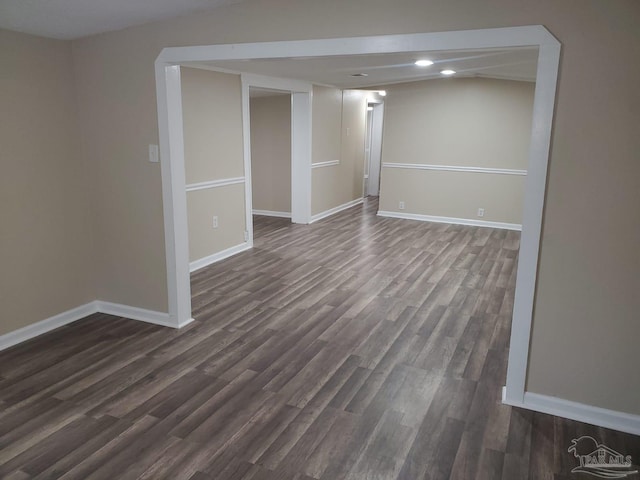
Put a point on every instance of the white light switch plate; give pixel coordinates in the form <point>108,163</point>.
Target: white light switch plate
<point>154,157</point>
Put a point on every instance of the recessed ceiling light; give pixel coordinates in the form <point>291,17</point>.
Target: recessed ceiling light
<point>382,93</point>
<point>359,74</point>
<point>423,63</point>
<point>447,72</point>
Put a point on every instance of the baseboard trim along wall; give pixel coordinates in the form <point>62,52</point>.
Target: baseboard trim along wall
<point>602,417</point>
<point>334,210</point>
<point>65,318</point>
<point>216,257</point>
<point>271,213</point>
<point>140,314</point>
<point>36,329</point>
<point>452,220</point>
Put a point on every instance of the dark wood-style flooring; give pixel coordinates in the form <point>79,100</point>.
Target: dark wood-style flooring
<point>358,347</point>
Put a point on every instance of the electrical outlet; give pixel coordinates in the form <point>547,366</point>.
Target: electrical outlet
<point>401,206</point>
<point>481,212</point>
<point>215,221</point>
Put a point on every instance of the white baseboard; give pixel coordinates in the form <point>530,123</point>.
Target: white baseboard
<point>216,257</point>
<point>65,318</point>
<point>140,314</point>
<point>35,329</point>
<point>602,417</point>
<point>271,213</point>
<point>452,220</point>
<point>333,211</point>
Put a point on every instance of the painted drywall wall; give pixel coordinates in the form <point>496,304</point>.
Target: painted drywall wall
<point>354,127</point>
<point>338,133</point>
<point>271,153</point>
<point>212,125</point>
<point>465,122</point>
<point>227,203</point>
<point>213,150</point>
<point>46,243</point>
<point>326,122</point>
<point>585,322</point>
<point>456,195</point>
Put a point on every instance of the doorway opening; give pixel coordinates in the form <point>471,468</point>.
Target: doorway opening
<point>270,136</point>
<point>373,148</point>
<point>172,149</point>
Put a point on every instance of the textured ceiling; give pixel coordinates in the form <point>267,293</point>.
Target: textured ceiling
<point>511,64</point>
<point>68,19</point>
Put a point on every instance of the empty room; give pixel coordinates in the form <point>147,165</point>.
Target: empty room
<point>241,241</point>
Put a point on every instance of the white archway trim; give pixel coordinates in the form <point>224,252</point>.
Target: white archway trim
<point>174,193</point>
<point>172,151</point>
<point>300,144</point>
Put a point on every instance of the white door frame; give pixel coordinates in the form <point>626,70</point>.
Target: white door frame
<point>300,145</point>
<point>172,151</point>
<point>375,149</point>
<point>367,151</point>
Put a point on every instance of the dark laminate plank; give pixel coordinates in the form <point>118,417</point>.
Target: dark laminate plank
<point>334,442</point>
<point>357,347</point>
<point>56,446</point>
<point>91,444</point>
<point>111,450</point>
<point>17,475</point>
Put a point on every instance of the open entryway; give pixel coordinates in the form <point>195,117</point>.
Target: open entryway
<point>270,136</point>
<point>373,147</point>
<point>247,56</point>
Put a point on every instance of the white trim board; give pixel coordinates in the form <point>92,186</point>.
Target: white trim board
<point>602,417</point>
<point>451,220</point>
<point>300,93</point>
<point>522,36</point>
<point>455,168</point>
<point>223,182</point>
<point>140,314</point>
<point>271,213</point>
<point>328,163</point>
<point>216,257</point>
<point>334,210</point>
<point>78,313</point>
<point>36,329</point>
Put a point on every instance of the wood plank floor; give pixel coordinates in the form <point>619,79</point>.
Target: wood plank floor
<point>358,347</point>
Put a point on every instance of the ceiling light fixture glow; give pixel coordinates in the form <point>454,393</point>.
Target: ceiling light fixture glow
<point>448,72</point>
<point>423,63</point>
<point>382,93</point>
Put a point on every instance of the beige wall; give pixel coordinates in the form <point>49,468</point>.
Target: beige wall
<point>271,153</point>
<point>46,243</point>
<point>586,322</point>
<point>468,122</point>
<point>338,123</point>
<point>354,126</point>
<point>326,109</point>
<point>453,194</point>
<point>212,125</point>
<point>227,203</point>
<point>213,150</point>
